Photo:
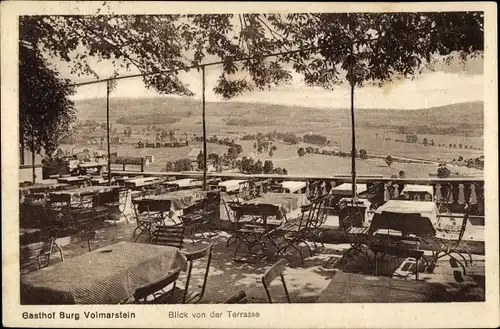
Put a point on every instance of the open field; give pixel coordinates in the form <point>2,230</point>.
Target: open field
<point>286,157</point>
<point>374,129</point>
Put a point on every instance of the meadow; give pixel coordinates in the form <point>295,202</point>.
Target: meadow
<point>374,132</point>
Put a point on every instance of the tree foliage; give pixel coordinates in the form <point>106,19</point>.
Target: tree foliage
<point>359,48</point>
<point>389,160</point>
<point>443,172</point>
<point>301,152</point>
<point>45,112</point>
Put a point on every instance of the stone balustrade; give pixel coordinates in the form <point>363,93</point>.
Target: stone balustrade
<point>452,193</point>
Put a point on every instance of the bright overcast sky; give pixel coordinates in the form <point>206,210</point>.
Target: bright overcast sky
<point>447,85</point>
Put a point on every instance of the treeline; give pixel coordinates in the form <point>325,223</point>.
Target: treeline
<point>248,122</point>
<point>315,139</point>
<point>362,154</point>
<point>286,137</point>
<point>147,120</point>
<point>250,166</point>
<point>463,129</point>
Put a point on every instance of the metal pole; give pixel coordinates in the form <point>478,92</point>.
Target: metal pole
<point>204,129</point>
<point>32,154</point>
<point>107,131</point>
<point>353,130</point>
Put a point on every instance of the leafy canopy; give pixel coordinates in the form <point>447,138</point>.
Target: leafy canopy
<point>359,48</point>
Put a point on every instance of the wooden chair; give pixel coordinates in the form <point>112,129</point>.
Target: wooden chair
<point>39,250</point>
<point>149,214</point>
<point>184,296</point>
<point>239,298</point>
<point>154,293</point>
<point>28,253</point>
<point>168,236</point>
<point>295,234</point>
<point>59,211</point>
<point>351,219</point>
<point>106,202</point>
<point>271,274</point>
<point>452,243</point>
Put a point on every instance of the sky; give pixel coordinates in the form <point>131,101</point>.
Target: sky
<point>448,84</point>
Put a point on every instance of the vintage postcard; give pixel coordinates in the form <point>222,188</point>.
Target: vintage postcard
<point>249,164</point>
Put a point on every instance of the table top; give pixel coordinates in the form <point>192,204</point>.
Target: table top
<point>91,164</point>
<point>357,288</point>
<point>83,190</point>
<point>424,208</point>
<point>232,184</point>
<point>25,190</point>
<point>285,201</point>
<point>107,275</point>
<point>142,181</point>
<point>72,179</point>
<point>293,186</point>
<point>347,188</point>
<point>418,188</point>
<point>181,182</point>
<point>180,199</point>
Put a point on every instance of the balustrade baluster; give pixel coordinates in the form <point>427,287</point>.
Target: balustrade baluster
<point>461,194</point>
<point>387,195</point>
<point>450,194</point>
<point>473,196</point>
<point>438,195</point>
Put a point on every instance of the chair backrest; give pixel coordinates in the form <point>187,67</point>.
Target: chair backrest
<point>354,211</point>
<point>465,219</point>
<point>58,200</point>
<point>410,223</point>
<point>168,236</point>
<point>191,257</point>
<point>32,251</point>
<point>276,270</point>
<point>239,298</point>
<point>142,293</point>
<point>277,188</point>
<point>108,198</point>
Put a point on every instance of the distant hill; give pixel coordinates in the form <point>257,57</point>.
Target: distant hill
<point>188,111</point>
<point>470,113</point>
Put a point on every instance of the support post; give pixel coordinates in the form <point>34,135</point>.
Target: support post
<point>107,130</point>
<point>204,131</point>
<point>353,129</point>
<point>33,155</point>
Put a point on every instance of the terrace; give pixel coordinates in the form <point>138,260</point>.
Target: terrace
<point>323,275</point>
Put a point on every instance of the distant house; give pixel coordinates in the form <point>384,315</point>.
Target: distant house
<point>411,138</point>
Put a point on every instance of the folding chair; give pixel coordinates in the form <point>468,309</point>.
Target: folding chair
<point>271,274</point>
<point>168,236</point>
<point>184,295</point>
<point>155,292</point>
<point>148,214</point>
<point>352,218</point>
<point>32,251</point>
<point>239,298</point>
<point>318,217</point>
<point>452,243</point>
<point>59,211</point>
<point>233,205</point>
<point>296,234</point>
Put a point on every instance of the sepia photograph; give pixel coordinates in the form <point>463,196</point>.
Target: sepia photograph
<point>249,157</point>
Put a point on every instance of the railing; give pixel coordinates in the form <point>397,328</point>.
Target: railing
<point>453,193</point>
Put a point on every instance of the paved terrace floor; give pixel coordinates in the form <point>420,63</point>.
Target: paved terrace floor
<point>305,282</point>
